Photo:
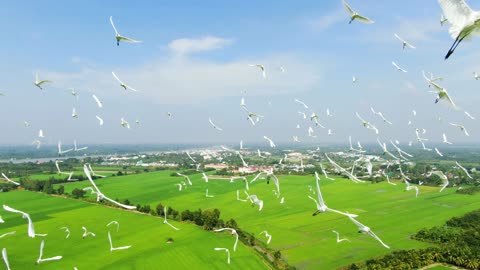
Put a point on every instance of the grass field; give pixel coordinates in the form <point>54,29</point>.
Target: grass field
<point>306,241</point>
<point>193,248</point>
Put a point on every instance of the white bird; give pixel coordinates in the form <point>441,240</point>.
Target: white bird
<point>438,152</point>
<point>381,116</point>
<point>366,123</point>
<point>213,125</point>
<point>388,178</point>
<point>100,120</point>
<point>282,69</point>
<point>73,92</point>
<point>445,139</point>
<point>325,173</point>
<point>31,229</point>
<point>38,143</point>
<point>242,102</point>
<point>99,103</point>
<point>100,195</point>
<point>119,37</point>
<point>76,148</point>
<point>114,222</point>
<point>60,151</point>
<point>123,85</point>
<point>354,15</point>
<point>476,76</point>
<point>38,83</point>
<point>342,170</point>
<point>207,195</point>
<point>462,128</point>
<point>40,134</point>
<point>67,231</point>
<point>321,206</point>
<point>190,157</point>
<point>443,94</point>
<point>111,245</point>
<point>238,197</point>
<point>400,151</point>
<point>241,145</point>
<point>404,43</point>
<point>179,186</point>
<point>9,180</point>
<point>93,173</point>
<point>303,115</point>
<point>269,237</point>
<point>272,144</point>
<point>464,21</point>
<point>86,233</point>
<point>233,232</point>
<point>5,258</point>
<point>410,187</point>
<point>186,177</point>
<point>165,219</point>
<point>254,200</point>
<point>226,250</point>
<point>385,150</point>
<point>74,113</point>
<point>442,176</point>
<point>241,157</point>
<point>303,104</point>
<point>362,228</point>
<point>463,169</point>
<point>26,124</point>
<point>399,68</point>
<point>39,260</point>
<point>469,115</point>
<point>354,79</point>
<point>261,67</point>
<point>338,237</point>
<point>124,123</point>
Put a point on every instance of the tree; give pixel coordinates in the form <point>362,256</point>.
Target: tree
<point>159,209</point>
<point>277,255</point>
<point>78,193</point>
<point>61,190</point>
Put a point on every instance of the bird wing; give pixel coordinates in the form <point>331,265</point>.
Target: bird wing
<point>348,8</point>
<point>115,76</point>
<point>399,38</point>
<point>360,225</point>
<point>128,39</point>
<point>359,117</point>
<point>89,176</point>
<point>9,209</point>
<point>99,103</point>
<point>99,119</point>
<point>449,99</point>
<point>363,19</point>
<point>372,234</point>
<point>319,194</point>
<point>111,22</point>
<point>457,12</point>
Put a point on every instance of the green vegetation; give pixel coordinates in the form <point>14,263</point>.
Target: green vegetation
<point>304,241</point>
<point>457,244</point>
<point>154,244</point>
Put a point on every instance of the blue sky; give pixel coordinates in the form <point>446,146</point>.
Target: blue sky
<point>194,62</point>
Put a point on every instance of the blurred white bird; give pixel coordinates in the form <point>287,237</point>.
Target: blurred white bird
<point>124,123</point>
<point>438,152</point>
<point>213,125</point>
<point>111,245</point>
<point>269,237</point>
<point>5,258</point>
<point>123,85</point>
<point>99,103</point>
<point>303,104</point>
<point>38,83</point>
<point>464,170</point>
<point>226,250</point>
<point>338,237</point>
<point>9,180</point>
<point>469,115</point>
<point>442,176</point>
<point>40,259</point>
<point>366,123</point>
<point>86,233</point>
<point>364,229</point>
<point>186,177</point>
<point>399,68</point>
<point>233,232</point>
<point>354,15</point>
<point>66,230</point>
<point>40,134</point>
<point>404,43</point>
<point>114,222</point>
<point>31,229</point>
<point>464,21</point>
<point>461,127</point>
<point>262,68</point>
<point>445,139</point>
<point>119,37</point>
<point>165,221</point>
<point>272,144</point>
<point>100,120</point>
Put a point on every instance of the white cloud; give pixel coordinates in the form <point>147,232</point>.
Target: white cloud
<point>185,81</point>
<point>185,46</point>
<point>328,20</point>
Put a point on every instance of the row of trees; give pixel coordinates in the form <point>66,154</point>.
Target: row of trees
<point>458,243</point>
